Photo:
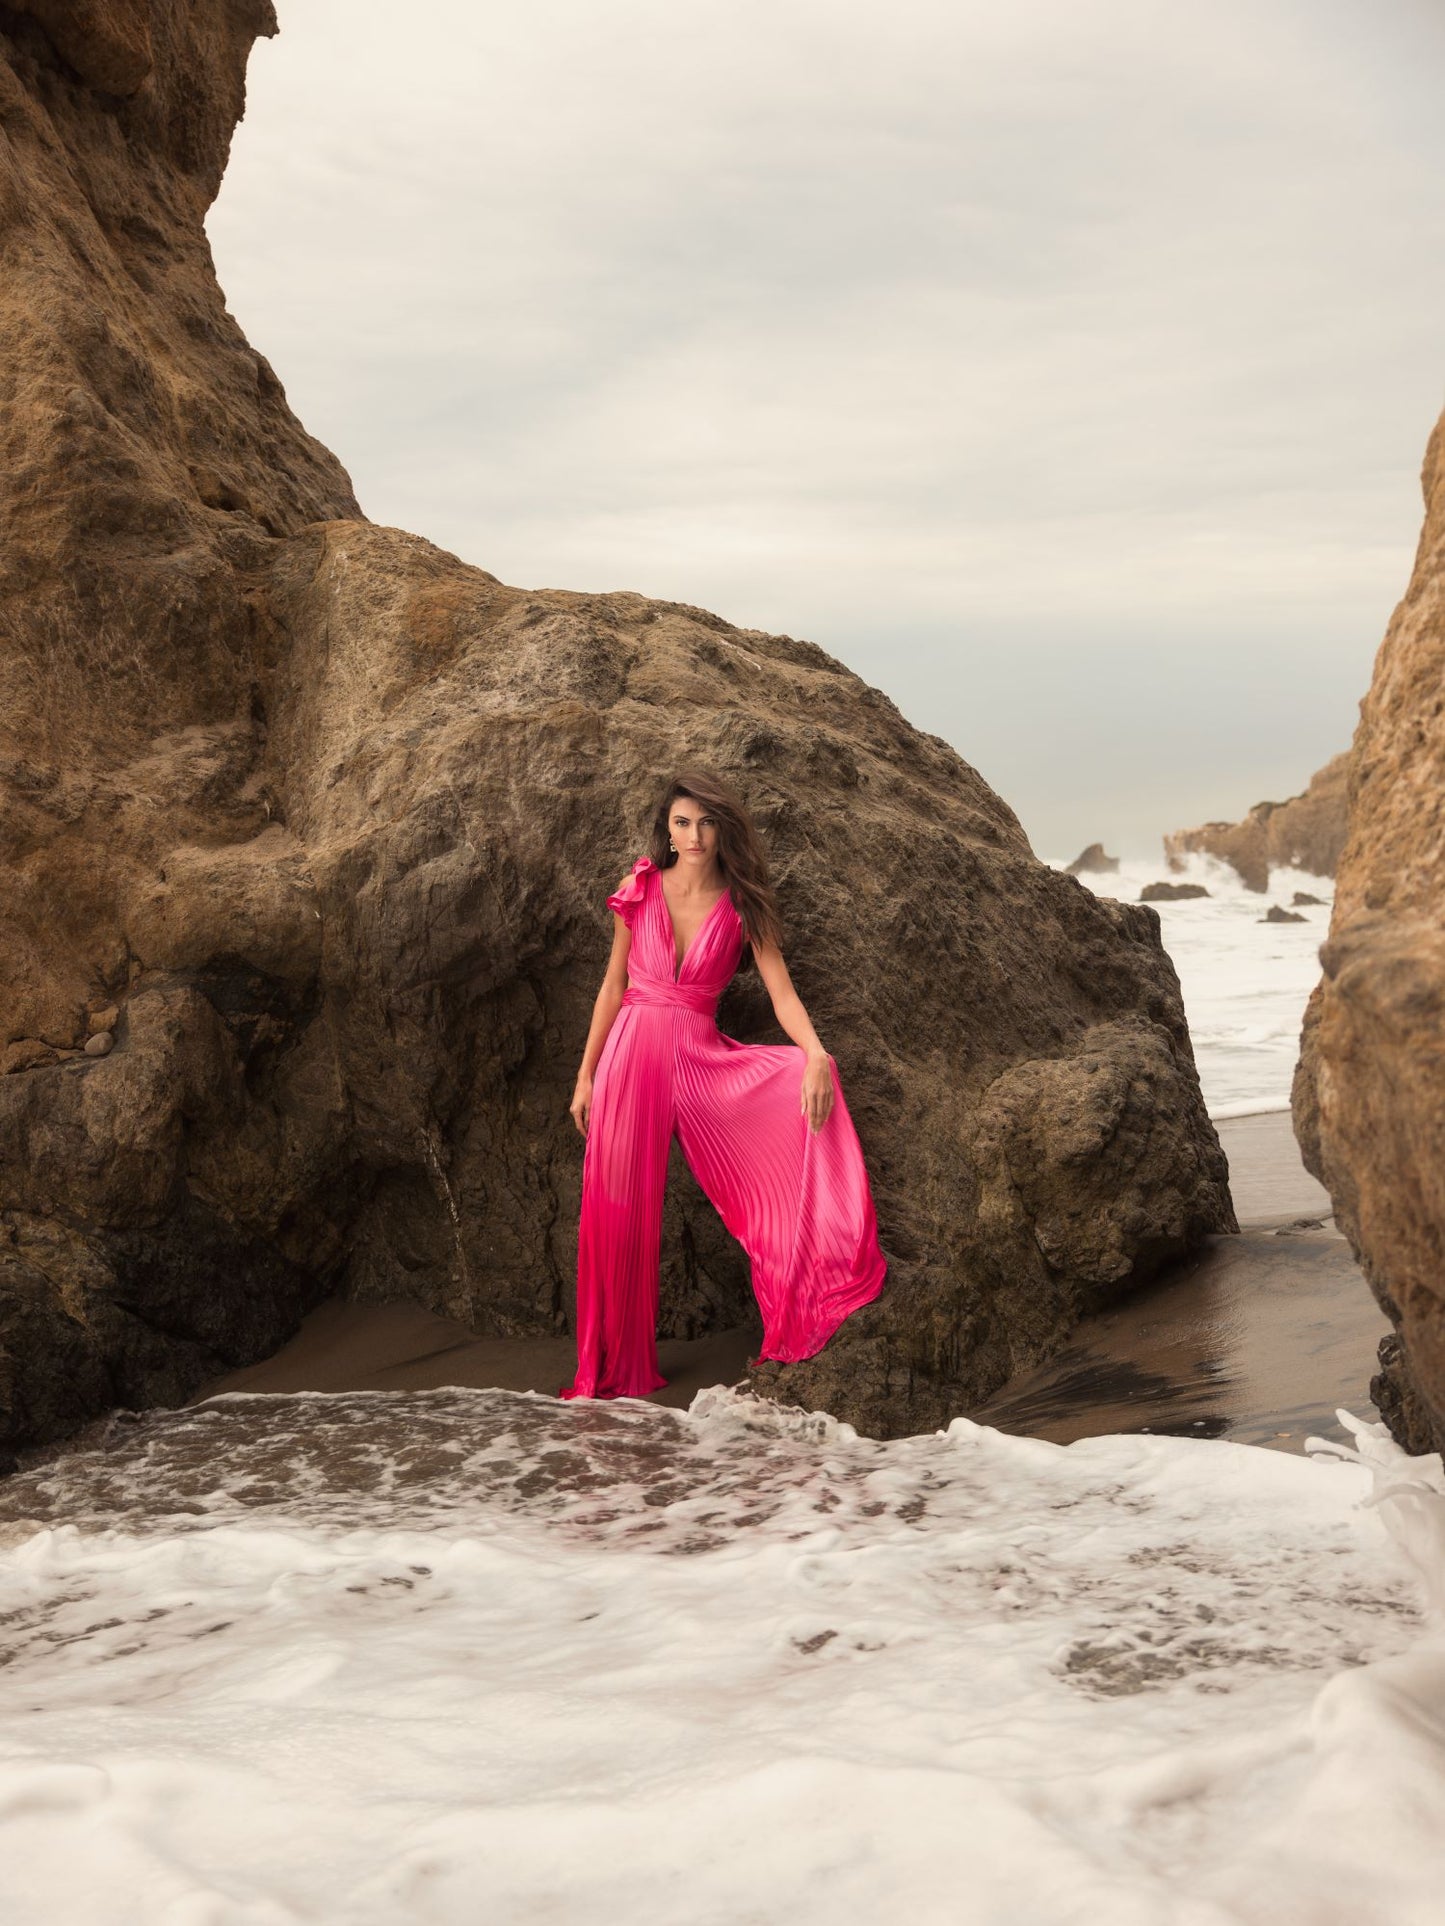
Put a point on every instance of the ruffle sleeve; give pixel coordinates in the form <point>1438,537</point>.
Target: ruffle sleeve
<point>628,900</point>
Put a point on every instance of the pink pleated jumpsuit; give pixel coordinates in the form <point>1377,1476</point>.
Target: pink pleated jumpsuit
<point>797,1201</point>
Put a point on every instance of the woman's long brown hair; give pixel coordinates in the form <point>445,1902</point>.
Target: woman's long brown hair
<point>740,853</point>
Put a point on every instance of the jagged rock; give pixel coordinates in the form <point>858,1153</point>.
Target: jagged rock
<point>1093,862</point>
<point>1306,832</point>
<point>330,818</point>
<point>1275,914</point>
<point>1171,892</point>
<point>1303,900</point>
<point>1410,1418</point>
<point>1369,1092</point>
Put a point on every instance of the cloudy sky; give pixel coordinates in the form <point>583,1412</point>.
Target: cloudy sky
<point>1063,368</point>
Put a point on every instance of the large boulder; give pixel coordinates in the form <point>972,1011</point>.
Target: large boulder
<point>1369,1092</point>
<point>1306,832</point>
<point>316,823</point>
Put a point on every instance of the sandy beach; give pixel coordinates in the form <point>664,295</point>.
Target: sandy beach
<point>1257,1337</point>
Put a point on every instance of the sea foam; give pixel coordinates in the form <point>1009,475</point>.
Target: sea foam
<point>454,1655</point>
<point>1245,981</point>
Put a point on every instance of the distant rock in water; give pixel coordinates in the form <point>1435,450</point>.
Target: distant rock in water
<point>1093,862</point>
<point>1307,832</point>
<point>317,825</point>
<point>1171,892</point>
<point>1275,914</point>
<point>1369,1093</point>
<point>1303,900</point>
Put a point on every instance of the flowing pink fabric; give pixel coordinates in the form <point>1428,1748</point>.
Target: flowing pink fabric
<point>797,1201</point>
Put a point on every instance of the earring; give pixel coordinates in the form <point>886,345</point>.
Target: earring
<point>672,845</point>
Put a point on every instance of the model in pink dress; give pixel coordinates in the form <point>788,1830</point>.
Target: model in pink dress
<point>763,1127</point>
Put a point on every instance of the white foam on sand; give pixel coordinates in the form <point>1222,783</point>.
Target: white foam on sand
<point>1245,982</point>
<point>457,1656</point>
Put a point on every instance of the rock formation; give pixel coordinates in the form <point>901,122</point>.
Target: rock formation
<point>1171,892</point>
<point>1093,862</point>
<point>1306,832</point>
<point>1369,1092</point>
<point>315,825</point>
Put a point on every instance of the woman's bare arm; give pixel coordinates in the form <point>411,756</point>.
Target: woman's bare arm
<point>604,1014</point>
<point>816,1097</point>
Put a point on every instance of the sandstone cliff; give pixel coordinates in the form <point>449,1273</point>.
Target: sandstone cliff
<point>1306,832</point>
<point>313,825</point>
<point>1369,1093</point>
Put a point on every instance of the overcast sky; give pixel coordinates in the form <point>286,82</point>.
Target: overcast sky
<point>1063,368</point>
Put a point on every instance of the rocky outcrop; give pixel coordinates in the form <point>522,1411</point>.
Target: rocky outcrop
<point>316,824</point>
<point>1093,862</point>
<point>1369,1092</point>
<point>1172,892</point>
<point>1306,832</point>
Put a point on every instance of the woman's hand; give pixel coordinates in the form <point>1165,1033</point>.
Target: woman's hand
<point>817,1094</point>
<point>582,1103</point>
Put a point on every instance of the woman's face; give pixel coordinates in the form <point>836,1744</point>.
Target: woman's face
<point>693,831</point>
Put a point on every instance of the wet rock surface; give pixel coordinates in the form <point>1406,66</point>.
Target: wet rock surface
<point>323,821</point>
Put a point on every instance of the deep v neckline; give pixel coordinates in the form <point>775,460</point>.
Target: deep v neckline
<point>680,963</point>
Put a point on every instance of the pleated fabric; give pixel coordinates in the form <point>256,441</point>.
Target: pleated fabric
<point>797,1201</point>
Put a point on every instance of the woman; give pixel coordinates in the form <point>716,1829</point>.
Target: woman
<point>764,1127</point>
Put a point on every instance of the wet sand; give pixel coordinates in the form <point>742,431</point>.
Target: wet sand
<point>1256,1338</point>
<point>400,1347</point>
<point>1269,1184</point>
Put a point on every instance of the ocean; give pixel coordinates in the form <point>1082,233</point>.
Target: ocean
<point>1245,981</point>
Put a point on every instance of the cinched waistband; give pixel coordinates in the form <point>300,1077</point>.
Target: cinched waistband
<point>685,996</point>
